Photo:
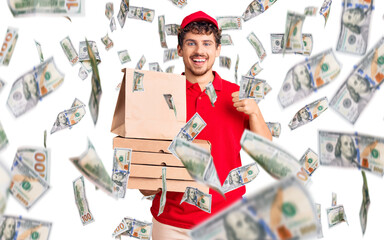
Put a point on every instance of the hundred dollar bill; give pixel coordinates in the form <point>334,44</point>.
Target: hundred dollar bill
<point>309,113</point>
<point>107,42</point>
<point>155,66</point>
<point>83,73</point>
<point>352,151</point>
<point>310,11</point>
<point>3,137</point>
<point>170,54</point>
<point>172,29</point>
<point>39,51</point>
<point>170,102</point>
<point>91,166</point>
<point>69,50</point>
<point>229,23</point>
<point>34,85</point>
<point>365,204</point>
<point>112,24</point>
<point>256,8</point>
<point>23,228</point>
<point>308,76</point>
<point>84,56</point>
<point>211,92</point>
<point>225,62</point>
<point>36,158</point>
<point>284,210</point>
<point>360,86</point>
<point>334,199</point>
<point>109,10</point>
<point>293,40</point>
<point>179,3</point>
<point>121,170</point>
<point>251,88</point>
<point>277,44</point>
<point>161,25</point>
<point>325,10</point>
<point>141,13</point>
<point>141,63</point>
<point>199,163</point>
<point>275,160</point>
<point>310,161</point>
<point>124,56</point>
<point>355,23</point>
<point>150,197</point>
<point>236,68</point>
<point>226,40</point>
<point>267,88</point>
<point>163,198</point>
<point>336,215</point>
<point>240,176</point>
<point>123,12</point>
<point>134,228</point>
<point>197,198</point>
<point>41,7</point>
<point>2,83</point>
<point>5,180</point>
<point>8,46</point>
<point>26,185</point>
<point>170,69</point>
<point>70,117</point>
<point>138,82</point>
<point>255,69</point>
<point>81,201</point>
<point>320,228</point>
<point>256,44</point>
<point>274,128</point>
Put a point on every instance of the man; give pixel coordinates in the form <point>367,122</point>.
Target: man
<point>199,45</point>
<point>7,229</point>
<point>345,152</point>
<point>240,226</point>
<point>234,178</point>
<point>353,19</point>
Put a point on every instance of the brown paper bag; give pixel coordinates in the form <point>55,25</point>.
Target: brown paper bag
<point>146,114</point>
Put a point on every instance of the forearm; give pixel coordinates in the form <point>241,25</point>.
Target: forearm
<point>258,125</point>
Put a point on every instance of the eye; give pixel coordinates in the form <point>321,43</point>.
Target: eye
<point>207,44</point>
<point>190,44</point>
<point>239,224</point>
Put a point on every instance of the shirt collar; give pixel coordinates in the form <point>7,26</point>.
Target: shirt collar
<point>217,82</point>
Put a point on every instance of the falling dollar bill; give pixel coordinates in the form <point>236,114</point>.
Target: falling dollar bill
<point>5,180</point>
<point>141,63</point>
<point>36,158</point>
<point>277,44</point>
<point>121,170</point>
<point>240,176</point>
<point>360,86</point>
<point>320,228</point>
<point>134,228</point>
<point>138,82</point>
<point>336,215</point>
<point>256,8</point>
<point>69,50</point>
<point>39,51</point>
<point>23,228</point>
<point>325,10</point>
<point>226,40</point>
<point>70,117</point>
<point>170,69</point>
<point>123,12</point>
<point>254,70</point>
<point>197,198</point>
<point>293,40</point>
<point>310,11</point>
<point>112,24</point>
<point>256,44</point>
<point>163,198</point>
<point>109,10</point>
<point>355,23</point>
<point>3,137</point>
<point>236,68</point>
<point>163,40</point>
<point>229,23</point>
<point>275,160</point>
<point>155,66</point>
<point>172,29</point>
<point>141,13</point>
<point>225,62</point>
<point>170,102</point>
<point>34,85</point>
<point>124,56</point>
<point>84,56</point>
<point>83,73</point>
<point>309,113</point>
<point>310,161</point>
<point>211,92</point>
<point>86,216</point>
<point>284,210</point>
<point>352,150</point>
<point>40,7</point>
<point>26,185</point>
<point>308,76</point>
<point>2,83</point>
<point>251,88</point>
<point>179,3</point>
<point>334,199</point>
<point>365,204</point>
<point>170,54</point>
<point>91,166</point>
<point>8,46</point>
<point>107,42</point>
<point>274,128</point>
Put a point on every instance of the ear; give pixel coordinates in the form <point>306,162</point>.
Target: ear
<point>218,50</point>
<point>179,51</point>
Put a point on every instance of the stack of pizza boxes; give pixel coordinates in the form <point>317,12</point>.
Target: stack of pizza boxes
<point>145,123</point>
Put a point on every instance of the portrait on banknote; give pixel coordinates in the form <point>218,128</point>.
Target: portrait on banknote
<point>345,152</point>
<point>7,229</point>
<point>360,90</point>
<point>239,225</point>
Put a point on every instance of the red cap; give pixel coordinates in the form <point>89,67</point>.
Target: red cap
<point>198,17</point>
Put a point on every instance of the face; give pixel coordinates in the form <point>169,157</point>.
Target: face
<point>9,229</point>
<point>353,17</point>
<point>358,83</point>
<point>347,147</point>
<point>198,52</point>
<point>31,83</point>
<point>62,119</point>
<point>300,72</point>
<point>117,177</point>
<point>242,228</point>
<point>191,194</point>
<point>304,114</point>
<point>235,177</point>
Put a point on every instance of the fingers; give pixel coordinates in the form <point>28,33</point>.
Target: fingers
<point>235,94</point>
<point>235,99</point>
<point>239,104</point>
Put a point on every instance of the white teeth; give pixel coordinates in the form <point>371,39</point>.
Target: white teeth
<point>199,60</point>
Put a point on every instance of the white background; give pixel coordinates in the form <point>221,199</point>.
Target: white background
<point>139,37</point>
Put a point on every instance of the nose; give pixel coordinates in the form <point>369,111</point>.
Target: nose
<point>199,49</point>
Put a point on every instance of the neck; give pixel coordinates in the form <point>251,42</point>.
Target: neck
<point>202,80</point>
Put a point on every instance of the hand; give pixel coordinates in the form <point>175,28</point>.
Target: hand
<point>149,192</point>
<point>247,106</point>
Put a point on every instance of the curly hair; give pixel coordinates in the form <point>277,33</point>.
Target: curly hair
<point>199,28</point>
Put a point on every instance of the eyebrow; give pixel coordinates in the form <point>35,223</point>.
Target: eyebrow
<point>191,40</point>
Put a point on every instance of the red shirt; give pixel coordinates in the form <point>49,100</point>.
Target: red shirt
<point>224,128</point>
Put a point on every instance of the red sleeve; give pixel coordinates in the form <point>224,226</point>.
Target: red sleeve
<point>246,122</point>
